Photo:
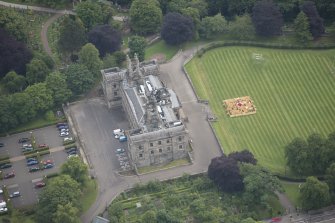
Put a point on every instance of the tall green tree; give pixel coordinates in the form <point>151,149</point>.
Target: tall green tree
<point>89,57</point>
<point>330,177</point>
<point>22,106</point>
<point>149,217</point>
<point>37,71</point>
<point>242,28</point>
<point>72,35</point>
<point>145,16</point>
<point>90,14</point>
<point>79,78</point>
<point>314,194</point>
<point>8,119</point>
<point>315,21</point>
<point>301,28</point>
<point>56,83</point>
<point>297,156</point>
<point>14,23</point>
<point>211,26</point>
<point>137,45</point>
<point>60,190</point>
<point>66,214</point>
<point>41,96</point>
<point>76,169</point>
<point>14,82</point>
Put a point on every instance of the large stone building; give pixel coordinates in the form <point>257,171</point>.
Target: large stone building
<point>157,134</point>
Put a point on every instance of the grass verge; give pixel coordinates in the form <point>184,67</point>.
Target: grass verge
<point>90,193</point>
<point>148,169</point>
<point>292,192</point>
<point>160,47</point>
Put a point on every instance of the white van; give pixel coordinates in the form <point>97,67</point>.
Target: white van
<point>3,204</point>
<point>117,131</point>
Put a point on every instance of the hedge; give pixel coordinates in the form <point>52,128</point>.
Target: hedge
<point>40,150</point>
<point>68,142</point>
<point>4,161</point>
<point>70,146</point>
<point>35,154</point>
<point>218,44</point>
<point>4,158</point>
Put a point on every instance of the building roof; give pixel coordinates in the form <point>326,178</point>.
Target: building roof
<point>158,134</point>
<point>135,103</point>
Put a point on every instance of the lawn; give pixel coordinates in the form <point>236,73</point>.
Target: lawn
<point>160,47</point>
<point>292,90</point>
<point>90,192</point>
<point>292,192</point>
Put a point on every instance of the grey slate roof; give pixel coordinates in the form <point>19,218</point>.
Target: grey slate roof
<point>135,103</point>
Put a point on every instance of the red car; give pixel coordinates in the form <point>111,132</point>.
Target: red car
<point>42,145</point>
<point>40,185</point>
<point>9,175</point>
<point>45,162</point>
<point>276,219</point>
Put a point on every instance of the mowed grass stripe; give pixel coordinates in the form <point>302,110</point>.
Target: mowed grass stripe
<point>288,86</point>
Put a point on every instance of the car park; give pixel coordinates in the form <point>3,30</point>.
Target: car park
<point>48,166</point>
<point>34,169</point>
<point>40,185</point>
<point>15,194</point>
<point>5,166</point>
<point>23,140</point>
<point>9,175</point>
<point>31,163</point>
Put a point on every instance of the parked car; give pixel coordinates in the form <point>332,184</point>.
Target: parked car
<point>63,127</point>
<point>31,163</point>
<point>72,155</point>
<point>9,175</point>
<point>68,139</point>
<point>26,149</point>
<point>23,140</point>
<point>40,184</point>
<point>48,166</point>
<point>123,138</point>
<point>5,166</point>
<point>2,144</point>
<point>61,124</point>
<point>1,191</point>
<point>27,145</point>
<point>3,210</point>
<point>15,194</point>
<point>64,130</point>
<point>42,145</point>
<point>31,159</point>
<point>73,149</point>
<point>62,134</point>
<point>34,169</point>
<point>45,162</point>
<point>120,151</point>
<point>72,152</point>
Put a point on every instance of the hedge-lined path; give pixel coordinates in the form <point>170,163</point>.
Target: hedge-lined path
<point>52,150</point>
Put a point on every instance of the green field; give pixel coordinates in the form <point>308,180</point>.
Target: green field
<point>294,92</point>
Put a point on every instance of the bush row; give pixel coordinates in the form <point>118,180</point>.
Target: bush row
<point>68,142</point>
<point>35,154</point>
<point>4,158</point>
<point>259,44</point>
<point>4,161</point>
<point>40,150</point>
<point>70,146</point>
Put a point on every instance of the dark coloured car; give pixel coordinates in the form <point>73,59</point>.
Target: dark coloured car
<point>26,149</point>
<point>2,144</point>
<point>23,140</point>
<point>5,166</point>
<point>15,194</point>
<point>31,159</point>
<point>34,169</point>
<point>48,166</point>
<point>73,149</point>
<point>9,175</point>
<point>72,152</point>
<point>40,185</point>
<point>33,162</point>
<point>63,127</point>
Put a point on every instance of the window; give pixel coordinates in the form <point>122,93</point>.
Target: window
<point>114,85</point>
<point>159,142</point>
<point>140,155</point>
<point>160,150</point>
<point>179,138</point>
<point>140,147</point>
<point>115,93</point>
<point>167,141</point>
<point>180,146</point>
<point>151,144</point>
<point>168,148</point>
<point>152,152</point>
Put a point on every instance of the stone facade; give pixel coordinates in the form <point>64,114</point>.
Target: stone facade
<point>157,136</point>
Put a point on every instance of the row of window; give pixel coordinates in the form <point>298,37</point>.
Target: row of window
<point>160,150</point>
<point>160,142</point>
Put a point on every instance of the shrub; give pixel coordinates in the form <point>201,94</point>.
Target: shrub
<point>68,142</point>
<point>70,146</point>
<point>4,161</point>
<point>4,158</point>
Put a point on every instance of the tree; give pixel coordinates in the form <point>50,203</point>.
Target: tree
<point>242,28</point>
<point>149,217</point>
<point>60,190</point>
<point>37,71</point>
<point>316,145</point>
<point>176,5</point>
<point>72,35</point>
<point>109,61</point>
<point>296,154</point>
<point>137,45</point>
<point>105,39</point>
<point>56,83</point>
<point>145,16</point>
<point>327,156</point>
<point>79,79</point>
<point>90,13</point>
<point>201,5</point>
<point>177,28</point>
<point>14,23</point>
<point>301,28</point>
<point>41,96</point>
<point>14,55</point>
<point>14,82</point>
<point>22,106</point>
<point>314,194</point>
<point>267,18</point>
<point>66,214</point>
<point>225,173</point>
<point>259,184</point>
<point>315,21</point>
<point>326,9</point>
<point>89,56</point>
<point>244,156</point>
<point>8,119</point>
<point>193,13</point>
<point>115,211</point>
<point>330,177</point>
<point>211,26</point>
<point>76,169</point>
<point>165,217</point>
